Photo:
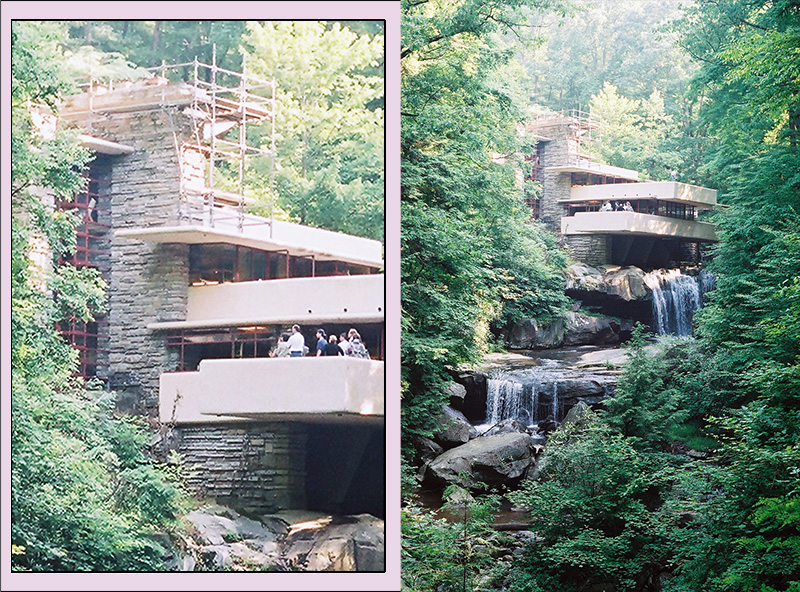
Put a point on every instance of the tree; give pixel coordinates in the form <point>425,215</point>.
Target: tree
<point>329,170</point>
<point>635,132</point>
<point>600,514</point>
<point>471,257</point>
<point>643,407</point>
<point>84,496</point>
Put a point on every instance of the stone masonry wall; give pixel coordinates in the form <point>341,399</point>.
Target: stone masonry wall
<point>592,249</point>
<point>255,466</point>
<point>148,281</point>
<point>556,186</point>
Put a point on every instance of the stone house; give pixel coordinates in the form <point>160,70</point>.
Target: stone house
<point>199,291</point>
<point>663,226</point>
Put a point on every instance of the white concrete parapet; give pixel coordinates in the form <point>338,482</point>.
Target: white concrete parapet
<point>635,223</point>
<point>346,299</point>
<point>701,197</point>
<point>257,389</point>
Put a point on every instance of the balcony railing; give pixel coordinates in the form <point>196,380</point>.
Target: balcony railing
<point>701,197</point>
<point>348,299</point>
<point>304,389</point>
<point>635,223</point>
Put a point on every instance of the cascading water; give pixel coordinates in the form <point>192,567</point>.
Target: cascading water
<point>503,400</point>
<point>507,398</point>
<point>676,297</point>
<point>549,384</point>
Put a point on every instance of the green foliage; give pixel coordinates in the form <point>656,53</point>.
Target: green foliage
<point>330,167</point>
<point>84,497</point>
<point>635,132</point>
<point>471,259</point>
<point>643,407</point>
<point>599,513</point>
<point>606,41</point>
<point>451,556</point>
<point>748,537</point>
<point>147,43</point>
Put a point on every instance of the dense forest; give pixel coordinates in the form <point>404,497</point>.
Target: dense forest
<point>88,492</point>
<point>710,90</point>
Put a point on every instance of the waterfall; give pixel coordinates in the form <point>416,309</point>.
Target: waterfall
<point>503,400</point>
<point>676,297</point>
<point>707,283</point>
<point>556,415</point>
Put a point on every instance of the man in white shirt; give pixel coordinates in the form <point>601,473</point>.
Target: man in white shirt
<point>296,342</point>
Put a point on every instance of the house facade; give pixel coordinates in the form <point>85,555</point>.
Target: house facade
<point>200,291</point>
<point>663,226</point>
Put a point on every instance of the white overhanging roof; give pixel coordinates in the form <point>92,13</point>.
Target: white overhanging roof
<point>277,235</point>
<point>104,146</point>
<point>694,195</point>
<point>595,168</point>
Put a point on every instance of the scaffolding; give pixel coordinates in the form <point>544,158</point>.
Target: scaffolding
<point>220,104</point>
<point>585,132</point>
<point>223,104</point>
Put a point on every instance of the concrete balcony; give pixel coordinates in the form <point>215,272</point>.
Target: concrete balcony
<point>632,223</point>
<point>326,389</point>
<point>577,164</point>
<point>208,225</point>
<point>344,298</point>
<point>700,197</point>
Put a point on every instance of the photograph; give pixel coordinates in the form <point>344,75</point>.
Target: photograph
<point>198,298</point>
<point>600,295</point>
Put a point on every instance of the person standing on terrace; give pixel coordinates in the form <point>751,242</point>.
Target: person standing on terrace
<point>332,347</point>
<point>297,342</point>
<point>322,342</point>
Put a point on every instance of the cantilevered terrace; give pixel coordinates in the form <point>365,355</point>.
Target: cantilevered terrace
<point>660,209</point>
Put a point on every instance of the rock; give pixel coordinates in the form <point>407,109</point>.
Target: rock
<point>538,440</point>
<point>583,277</point>
<point>426,448</point>
<point>548,425</point>
<point>507,426</point>
<point>217,525</point>
<point>588,388</point>
<point>582,329</point>
<point>528,334</point>
<point>492,460</point>
<point>459,497</point>
<point>577,414</point>
<point>350,543</point>
<point>474,403</point>
<point>624,283</point>
<point>457,394</point>
<point>215,557</point>
<point>578,329</point>
<point>454,428</point>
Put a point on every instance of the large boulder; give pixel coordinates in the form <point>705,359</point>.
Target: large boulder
<point>577,414</point>
<point>507,426</point>
<point>582,329</point>
<point>457,394</point>
<point>474,404</point>
<point>528,334</point>
<point>454,428</point>
<point>348,543</point>
<point>291,540</point>
<point>578,329</point>
<point>493,460</point>
<point>625,283</point>
<point>426,448</point>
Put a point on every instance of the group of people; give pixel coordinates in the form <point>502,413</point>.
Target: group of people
<point>346,344</point>
<point>617,206</point>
